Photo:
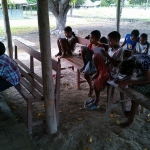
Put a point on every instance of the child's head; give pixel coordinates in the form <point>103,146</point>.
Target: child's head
<point>68,31</point>
<point>143,38</point>
<point>95,37</point>
<point>2,48</point>
<point>104,40</point>
<point>134,35</point>
<point>114,38</point>
<point>126,67</point>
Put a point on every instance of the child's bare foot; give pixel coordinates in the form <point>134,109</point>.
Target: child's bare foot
<point>90,92</point>
<point>126,124</point>
<point>58,54</point>
<point>82,68</point>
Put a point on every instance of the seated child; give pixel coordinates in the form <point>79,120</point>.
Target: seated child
<point>9,72</point>
<point>100,80</point>
<point>94,47</point>
<point>131,40</point>
<point>142,46</point>
<point>115,53</point>
<point>67,44</point>
<point>142,84</point>
<point>114,56</point>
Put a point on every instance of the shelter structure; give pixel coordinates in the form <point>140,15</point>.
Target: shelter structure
<point>45,48</point>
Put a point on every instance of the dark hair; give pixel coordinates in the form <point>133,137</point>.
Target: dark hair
<point>87,37</point>
<point>144,36</point>
<point>69,29</point>
<point>114,35</point>
<point>2,48</point>
<point>126,67</point>
<point>96,34</point>
<point>135,33</point>
<point>104,40</point>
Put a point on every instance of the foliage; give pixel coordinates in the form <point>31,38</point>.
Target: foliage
<point>137,2</point>
<point>31,1</point>
<point>108,2</point>
<point>77,2</point>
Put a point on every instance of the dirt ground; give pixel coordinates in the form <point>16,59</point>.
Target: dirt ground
<point>78,125</point>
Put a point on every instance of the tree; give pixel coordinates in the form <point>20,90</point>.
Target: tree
<point>60,8</point>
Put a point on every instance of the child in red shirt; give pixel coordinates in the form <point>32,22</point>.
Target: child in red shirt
<point>89,67</point>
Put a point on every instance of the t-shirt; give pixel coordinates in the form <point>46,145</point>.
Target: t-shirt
<point>141,48</point>
<point>117,55</point>
<point>143,63</point>
<point>9,70</point>
<point>130,44</point>
<point>97,49</point>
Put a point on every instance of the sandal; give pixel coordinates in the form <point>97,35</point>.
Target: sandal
<point>89,102</point>
<point>91,107</point>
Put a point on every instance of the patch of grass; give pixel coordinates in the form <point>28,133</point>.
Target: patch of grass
<point>20,29</point>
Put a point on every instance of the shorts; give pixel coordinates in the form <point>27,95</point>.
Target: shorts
<point>4,84</point>
<point>90,68</point>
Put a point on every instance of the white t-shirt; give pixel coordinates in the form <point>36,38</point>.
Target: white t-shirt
<point>141,48</point>
<point>117,55</point>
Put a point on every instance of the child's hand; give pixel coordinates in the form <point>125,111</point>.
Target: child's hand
<point>124,84</point>
<point>117,80</point>
<point>105,53</point>
<point>94,76</point>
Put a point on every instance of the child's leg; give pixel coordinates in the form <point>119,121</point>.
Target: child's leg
<point>97,93</point>
<point>87,77</point>
<point>59,48</point>
<point>83,54</point>
<point>63,47</point>
<point>133,111</point>
<point>72,44</point>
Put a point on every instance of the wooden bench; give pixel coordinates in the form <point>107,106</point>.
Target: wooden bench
<point>132,94</point>
<point>31,87</point>
<point>76,62</point>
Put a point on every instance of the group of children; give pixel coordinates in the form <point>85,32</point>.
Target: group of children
<point>104,59</point>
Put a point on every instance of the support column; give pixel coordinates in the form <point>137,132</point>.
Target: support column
<point>9,46</point>
<point>45,47</point>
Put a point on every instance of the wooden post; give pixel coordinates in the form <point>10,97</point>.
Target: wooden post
<point>118,15</point>
<point>9,46</point>
<point>45,47</point>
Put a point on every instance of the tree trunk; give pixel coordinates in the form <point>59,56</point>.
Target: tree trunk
<point>71,10</point>
<point>60,8</point>
<point>45,47</point>
<point>118,15</point>
<point>60,22</point>
<point>9,46</point>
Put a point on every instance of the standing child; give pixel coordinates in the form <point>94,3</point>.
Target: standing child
<point>142,46</point>
<point>131,40</point>
<point>94,47</point>
<point>67,44</point>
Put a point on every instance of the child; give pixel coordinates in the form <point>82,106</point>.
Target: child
<point>67,44</point>
<point>115,53</point>
<point>9,72</point>
<point>131,40</point>
<point>142,46</point>
<point>141,85</point>
<point>114,56</point>
<point>94,47</point>
<point>100,80</point>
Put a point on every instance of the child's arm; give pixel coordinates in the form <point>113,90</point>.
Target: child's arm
<point>146,81</point>
<point>123,42</point>
<point>146,51</point>
<point>115,63</point>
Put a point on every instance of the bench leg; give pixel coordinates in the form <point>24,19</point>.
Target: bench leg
<point>29,116</point>
<point>109,104</point>
<point>123,105</point>
<point>78,79</point>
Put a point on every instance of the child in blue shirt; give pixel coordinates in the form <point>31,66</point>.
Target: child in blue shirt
<point>131,40</point>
